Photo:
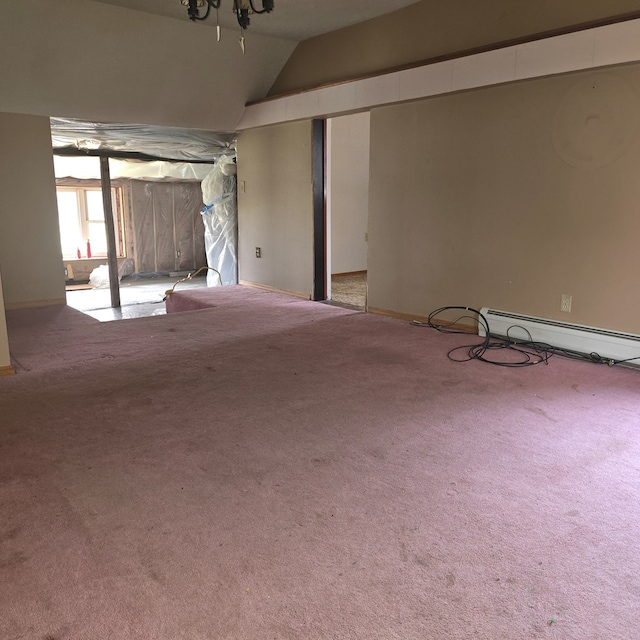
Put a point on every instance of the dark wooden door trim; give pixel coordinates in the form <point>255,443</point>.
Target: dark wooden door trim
<point>319,211</point>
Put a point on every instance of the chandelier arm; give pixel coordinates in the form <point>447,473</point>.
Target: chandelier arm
<point>254,9</point>
<point>241,14</point>
<point>239,6</point>
<point>205,16</point>
<point>211,4</point>
<point>267,6</point>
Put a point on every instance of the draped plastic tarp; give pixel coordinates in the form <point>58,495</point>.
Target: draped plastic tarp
<point>171,143</point>
<point>220,217</point>
<point>89,168</point>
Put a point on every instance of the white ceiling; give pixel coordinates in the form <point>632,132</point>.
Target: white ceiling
<point>291,19</point>
<point>165,69</point>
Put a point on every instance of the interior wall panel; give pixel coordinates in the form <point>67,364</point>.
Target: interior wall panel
<point>511,197</point>
<point>275,207</point>
<point>30,252</point>
<point>187,199</point>
<point>164,224</point>
<point>166,219</point>
<point>143,226</point>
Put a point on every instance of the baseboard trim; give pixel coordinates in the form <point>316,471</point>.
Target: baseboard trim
<point>457,326</point>
<point>7,371</point>
<point>349,273</point>
<point>410,317</point>
<point>33,304</point>
<point>266,287</point>
<point>397,314</point>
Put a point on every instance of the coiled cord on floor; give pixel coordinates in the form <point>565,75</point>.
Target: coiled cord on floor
<point>526,353</point>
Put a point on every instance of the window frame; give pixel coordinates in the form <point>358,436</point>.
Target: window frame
<point>84,223</point>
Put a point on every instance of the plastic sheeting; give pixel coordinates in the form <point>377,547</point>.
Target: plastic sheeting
<point>220,217</point>
<point>89,168</point>
<point>99,278</point>
<point>161,142</point>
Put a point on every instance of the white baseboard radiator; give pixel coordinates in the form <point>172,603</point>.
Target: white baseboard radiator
<point>610,345</point>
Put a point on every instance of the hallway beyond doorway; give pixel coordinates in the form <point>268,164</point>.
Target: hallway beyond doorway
<point>350,290</point>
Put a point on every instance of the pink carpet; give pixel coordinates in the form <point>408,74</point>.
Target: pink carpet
<point>272,468</point>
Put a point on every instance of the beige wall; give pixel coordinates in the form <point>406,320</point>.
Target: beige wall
<point>275,210</point>
<point>428,29</point>
<point>349,192</point>
<point>30,254</point>
<point>510,197</point>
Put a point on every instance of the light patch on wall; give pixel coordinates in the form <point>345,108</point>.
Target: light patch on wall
<point>596,121</point>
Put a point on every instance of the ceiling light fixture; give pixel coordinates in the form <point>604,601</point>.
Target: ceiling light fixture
<point>243,9</point>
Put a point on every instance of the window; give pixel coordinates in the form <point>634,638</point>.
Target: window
<point>81,218</point>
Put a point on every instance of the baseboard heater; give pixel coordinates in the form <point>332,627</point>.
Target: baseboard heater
<point>610,345</point>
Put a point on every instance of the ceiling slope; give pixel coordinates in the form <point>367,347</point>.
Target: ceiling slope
<point>295,20</point>
<point>100,63</point>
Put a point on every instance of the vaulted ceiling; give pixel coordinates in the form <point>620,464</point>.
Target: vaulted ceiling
<point>295,20</point>
<point>144,62</point>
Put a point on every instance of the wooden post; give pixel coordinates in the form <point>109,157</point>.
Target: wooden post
<point>319,213</point>
<point>112,249</point>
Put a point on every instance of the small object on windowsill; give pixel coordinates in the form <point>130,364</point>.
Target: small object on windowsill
<point>88,249</point>
<point>79,254</point>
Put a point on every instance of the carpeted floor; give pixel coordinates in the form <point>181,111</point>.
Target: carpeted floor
<point>273,468</point>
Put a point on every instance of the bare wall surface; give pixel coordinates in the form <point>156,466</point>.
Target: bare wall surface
<point>275,207</point>
<point>428,29</point>
<point>93,61</point>
<point>511,197</point>
<point>349,192</point>
<point>30,254</point>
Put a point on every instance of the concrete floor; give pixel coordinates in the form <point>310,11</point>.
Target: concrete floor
<point>139,297</point>
<point>142,297</point>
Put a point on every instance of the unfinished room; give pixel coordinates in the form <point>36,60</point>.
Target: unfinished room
<point>319,320</point>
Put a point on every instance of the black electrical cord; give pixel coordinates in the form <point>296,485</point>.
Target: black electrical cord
<point>527,352</point>
<point>526,357</point>
<point>267,6</point>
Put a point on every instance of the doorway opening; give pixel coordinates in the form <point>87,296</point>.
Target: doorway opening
<point>347,207</point>
<point>158,227</point>
<point>151,233</point>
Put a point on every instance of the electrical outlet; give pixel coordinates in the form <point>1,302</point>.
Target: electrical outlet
<point>565,303</point>
<point>258,252</point>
